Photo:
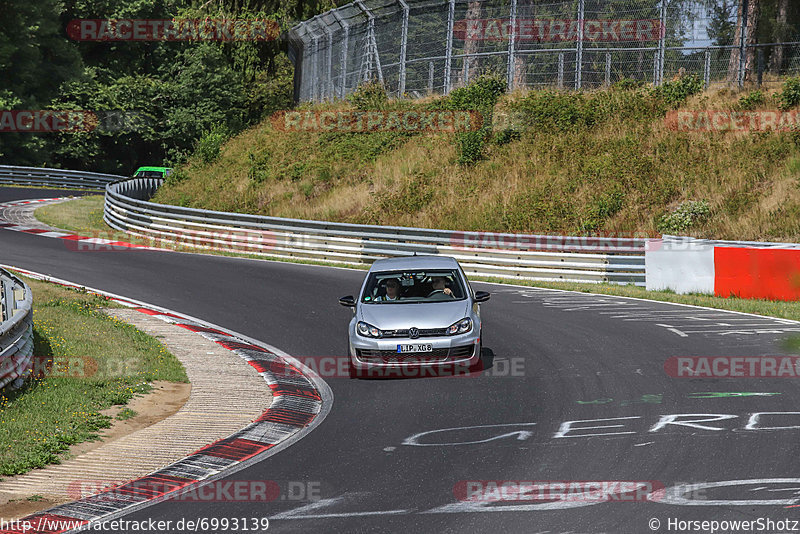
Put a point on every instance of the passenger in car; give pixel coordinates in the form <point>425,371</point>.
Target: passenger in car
<point>392,290</point>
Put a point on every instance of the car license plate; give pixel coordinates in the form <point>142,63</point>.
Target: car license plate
<point>415,347</point>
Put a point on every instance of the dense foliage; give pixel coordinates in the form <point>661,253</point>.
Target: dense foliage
<point>165,98</point>
<point>161,101</point>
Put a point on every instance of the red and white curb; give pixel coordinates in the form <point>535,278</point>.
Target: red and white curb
<point>78,242</point>
<point>301,400</point>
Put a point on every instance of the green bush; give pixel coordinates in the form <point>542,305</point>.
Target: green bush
<point>687,215</point>
<point>790,95</point>
<point>505,136</point>
<point>480,95</point>
<point>176,176</point>
<point>210,143</point>
<point>675,92</point>
<point>554,110</point>
<point>470,147</point>
<point>628,84</point>
<point>370,95</point>
<point>752,100</point>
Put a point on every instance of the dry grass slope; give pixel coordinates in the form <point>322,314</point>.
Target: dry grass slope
<point>598,162</point>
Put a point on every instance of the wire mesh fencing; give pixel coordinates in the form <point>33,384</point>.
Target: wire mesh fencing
<point>420,47</point>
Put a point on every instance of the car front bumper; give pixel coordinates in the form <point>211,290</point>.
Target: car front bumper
<point>448,351</point>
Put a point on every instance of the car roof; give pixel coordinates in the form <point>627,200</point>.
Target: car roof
<point>161,169</point>
<point>414,262</point>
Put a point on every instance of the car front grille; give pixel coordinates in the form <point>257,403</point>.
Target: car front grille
<point>423,332</point>
<point>437,355</point>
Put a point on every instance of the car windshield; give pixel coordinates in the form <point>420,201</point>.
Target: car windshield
<point>404,287</point>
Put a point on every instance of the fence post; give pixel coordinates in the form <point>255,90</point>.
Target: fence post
<point>608,69</point>
<point>760,66</point>
<point>343,55</point>
<point>662,42</point>
<point>512,18</point>
<point>305,73</point>
<point>329,65</point>
<point>401,89</point>
<point>372,46</point>
<point>561,70</point>
<point>466,71</point>
<point>315,70</point>
<point>707,70</point>
<point>579,48</point>
<point>451,14</point>
<point>743,42</point>
<point>430,77</point>
<point>655,69</point>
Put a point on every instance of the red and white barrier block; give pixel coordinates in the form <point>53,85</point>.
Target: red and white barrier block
<point>724,268</point>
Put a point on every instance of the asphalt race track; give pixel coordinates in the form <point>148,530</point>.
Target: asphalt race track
<point>558,357</point>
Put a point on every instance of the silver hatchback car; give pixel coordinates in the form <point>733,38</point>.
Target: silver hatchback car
<point>414,313</point>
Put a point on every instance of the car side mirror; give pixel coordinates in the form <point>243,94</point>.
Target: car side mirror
<point>348,301</point>
<point>482,296</point>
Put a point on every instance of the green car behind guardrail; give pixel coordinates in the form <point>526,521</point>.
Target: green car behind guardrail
<point>152,172</point>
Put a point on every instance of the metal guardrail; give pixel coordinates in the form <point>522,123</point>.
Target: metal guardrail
<point>55,177</point>
<point>515,256</point>
<point>674,242</point>
<point>16,329</point>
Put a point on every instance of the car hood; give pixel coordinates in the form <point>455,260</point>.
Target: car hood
<point>425,315</point>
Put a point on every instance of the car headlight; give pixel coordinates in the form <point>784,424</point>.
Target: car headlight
<point>461,327</point>
<point>367,330</point>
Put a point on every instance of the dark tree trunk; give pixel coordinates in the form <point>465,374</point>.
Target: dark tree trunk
<point>753,15</point>
<point>777,58</point>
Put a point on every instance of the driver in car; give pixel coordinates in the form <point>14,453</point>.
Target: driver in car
<point>440,286</point>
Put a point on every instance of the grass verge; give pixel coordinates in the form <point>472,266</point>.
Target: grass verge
<point>89,362</point>
<point>83,215</point>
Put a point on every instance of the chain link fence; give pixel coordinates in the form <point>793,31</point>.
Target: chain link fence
<point>421,47</point>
